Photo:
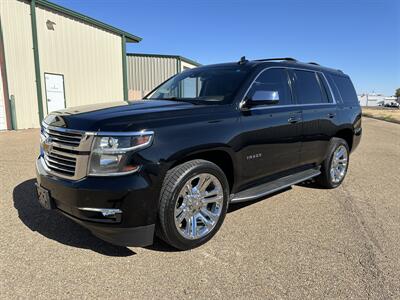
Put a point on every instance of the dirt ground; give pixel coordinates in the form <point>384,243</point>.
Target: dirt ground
<point>302,243</point>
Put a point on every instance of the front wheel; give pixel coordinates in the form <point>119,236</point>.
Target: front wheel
<point>334,167</point>
<point>193,204</point>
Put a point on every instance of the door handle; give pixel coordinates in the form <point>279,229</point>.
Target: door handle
<point>293,120</point>
<point>331,115</point>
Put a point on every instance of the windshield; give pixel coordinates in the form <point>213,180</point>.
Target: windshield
<point>213,84</point>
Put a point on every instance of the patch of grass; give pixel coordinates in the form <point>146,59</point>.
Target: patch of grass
<point>386,118</point>
<point>382,113</point>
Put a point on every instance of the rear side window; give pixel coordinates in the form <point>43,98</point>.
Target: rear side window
<point>274,80</point>
<point>335,90</point>
<point>308,89</point>
<point>346,89</point>
<point>325,87</point>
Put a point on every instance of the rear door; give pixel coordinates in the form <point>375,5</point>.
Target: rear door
<point>349,110</point>
<point>271,133</point>
<point>319,114</point>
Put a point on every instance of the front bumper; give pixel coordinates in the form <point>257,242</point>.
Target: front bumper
<point>133,196</point>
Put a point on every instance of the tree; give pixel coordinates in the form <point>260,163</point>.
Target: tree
<point>397,93</point>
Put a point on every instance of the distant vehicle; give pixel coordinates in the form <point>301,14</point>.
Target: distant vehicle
<point>392,104</point>
<point>171,164</point>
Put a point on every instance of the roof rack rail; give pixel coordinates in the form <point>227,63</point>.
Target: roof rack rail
<point>242,60</point>
<point>313,63</point>
<point>278,58</point>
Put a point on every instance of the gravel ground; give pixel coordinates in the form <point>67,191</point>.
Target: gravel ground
<point>301,243</point>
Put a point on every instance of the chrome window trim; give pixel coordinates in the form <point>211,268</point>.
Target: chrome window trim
<point>291,105</point>
<point>329,86</point>
<point>241,103</point>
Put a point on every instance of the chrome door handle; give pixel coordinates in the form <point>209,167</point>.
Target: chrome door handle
<point>331,115</point>
<point>293,120</point>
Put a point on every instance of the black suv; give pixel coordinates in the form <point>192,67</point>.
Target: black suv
<point>170,164</point>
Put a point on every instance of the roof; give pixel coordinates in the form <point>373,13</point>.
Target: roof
<point>182,58</point>
<point>55,7</point>
<point>283,63</point>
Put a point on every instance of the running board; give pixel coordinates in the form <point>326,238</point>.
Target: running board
<point>274,186</point>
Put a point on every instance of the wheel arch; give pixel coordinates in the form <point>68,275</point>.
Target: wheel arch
<point>347,134</point>
<point>221,157</point>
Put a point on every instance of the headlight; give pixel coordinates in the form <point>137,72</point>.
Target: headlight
<point>111,155</point>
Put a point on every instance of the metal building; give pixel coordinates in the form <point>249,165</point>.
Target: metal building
<point>146,71</point>
<point>374,99</point>
<point>52,57</point>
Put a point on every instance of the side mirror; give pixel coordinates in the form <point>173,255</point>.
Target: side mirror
<point>264,98</point>
<point>260,98</point>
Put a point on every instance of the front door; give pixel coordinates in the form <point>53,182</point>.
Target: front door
<point>54,92</point>
<point>271,136</point>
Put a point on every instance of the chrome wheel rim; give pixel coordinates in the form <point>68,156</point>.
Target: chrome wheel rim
<point>339,164</point>
<point>198,206</point>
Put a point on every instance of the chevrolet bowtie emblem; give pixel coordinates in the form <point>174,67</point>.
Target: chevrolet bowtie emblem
<point>47,145</point>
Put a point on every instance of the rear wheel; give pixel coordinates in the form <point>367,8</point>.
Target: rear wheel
<point>193,204</point>
<point>334,168</point>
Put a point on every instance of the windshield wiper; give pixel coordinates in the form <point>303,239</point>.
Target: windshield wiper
<point>169,98</point>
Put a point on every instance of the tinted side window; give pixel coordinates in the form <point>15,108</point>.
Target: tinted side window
<point>335,91</point>
<point>325,87</point>
<point>274,80</point>
<point>308,89</point>
<point>346,89</point>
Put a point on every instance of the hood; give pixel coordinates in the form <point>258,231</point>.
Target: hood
<point>120,116</point>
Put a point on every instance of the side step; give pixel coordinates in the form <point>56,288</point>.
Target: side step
<point>274,186</point>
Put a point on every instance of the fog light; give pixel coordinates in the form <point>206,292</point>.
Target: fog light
<point>106,212</point>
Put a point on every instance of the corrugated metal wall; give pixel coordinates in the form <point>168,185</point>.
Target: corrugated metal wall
<point>146,72</point>
<point>88,57</point>
<point>3,121</point>
<point>17,37</point>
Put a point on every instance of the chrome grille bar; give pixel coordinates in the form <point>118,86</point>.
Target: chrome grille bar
<point>59,168</point>
<point>61,158</point>
<point>65,151</point>
<point>63,137</point>
<point>67,164</point>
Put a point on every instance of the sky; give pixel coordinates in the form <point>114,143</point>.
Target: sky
<point>360,37</point>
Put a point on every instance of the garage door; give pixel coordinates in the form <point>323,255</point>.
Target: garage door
<point>3,124</point>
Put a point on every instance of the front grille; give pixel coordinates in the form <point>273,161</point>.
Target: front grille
<point>60,163</point>
<point>64,138</point>
<point>65,151</point>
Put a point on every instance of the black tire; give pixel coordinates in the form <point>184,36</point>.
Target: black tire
<point>325,179</point>
<point>172,185</point>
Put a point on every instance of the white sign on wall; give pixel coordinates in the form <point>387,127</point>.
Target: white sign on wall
<point>55,96</point>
